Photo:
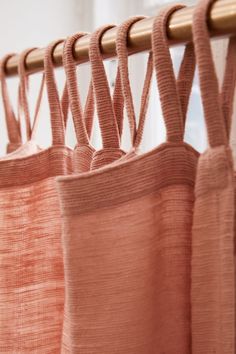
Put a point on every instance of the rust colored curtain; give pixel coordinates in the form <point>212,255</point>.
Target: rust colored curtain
<point>114,251</point>
<point>31,277</point>
<point>127,237</point>
<point>213,245</point>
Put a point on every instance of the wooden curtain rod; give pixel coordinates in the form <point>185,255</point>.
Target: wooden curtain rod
<point>222,22</point>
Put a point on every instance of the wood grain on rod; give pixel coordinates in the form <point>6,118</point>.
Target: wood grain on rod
<point>222,22</point>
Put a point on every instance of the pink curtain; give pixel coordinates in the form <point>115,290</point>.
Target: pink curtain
<point>111,251</point>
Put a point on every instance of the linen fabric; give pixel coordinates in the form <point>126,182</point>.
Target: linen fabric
<point>83,119</point>
<point>213,234</point>
<point>16,147</point>
<point>184,83</point>
<point>111,150</point>
<point>127,239</point>
<point>12,124</point>
<point>31,276</point>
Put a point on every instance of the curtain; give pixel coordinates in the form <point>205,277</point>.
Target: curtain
<point>110,244</point>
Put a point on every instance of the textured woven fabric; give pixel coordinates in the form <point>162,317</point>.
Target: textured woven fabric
<point>127,240</point>
<point>111,150</point>
<point>184,83</point>
<point>135,254</point>
<point>12,125</point>
<point>213,248</point>
<point>83,120</point>
<point>122,54</point>
<point>15,147</point>
<point>31,276</point>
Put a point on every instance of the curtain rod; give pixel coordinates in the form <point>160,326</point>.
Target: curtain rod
<point>221,21</point>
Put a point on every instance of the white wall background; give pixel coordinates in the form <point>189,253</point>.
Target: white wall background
<point>28,23</point>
